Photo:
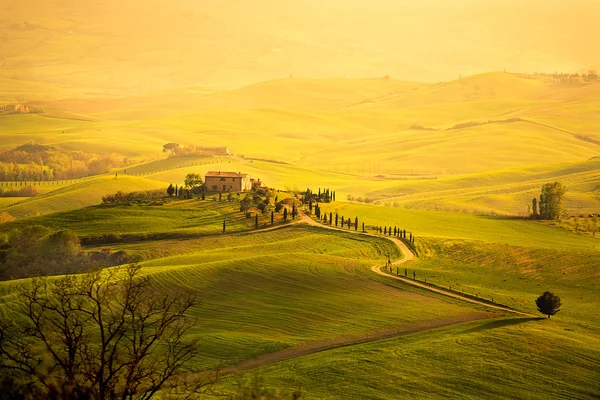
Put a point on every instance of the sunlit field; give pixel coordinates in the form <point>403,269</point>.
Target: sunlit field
<point>472,126</point>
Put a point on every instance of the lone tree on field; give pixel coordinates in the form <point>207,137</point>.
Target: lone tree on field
<point>548,304</point>
<point>101,335</point>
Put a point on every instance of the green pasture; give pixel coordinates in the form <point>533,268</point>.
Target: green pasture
<point>516,275</point>
<point>272,290</point>
<point>7,201</point>
<point>521,233</point>
<point>517,358</point>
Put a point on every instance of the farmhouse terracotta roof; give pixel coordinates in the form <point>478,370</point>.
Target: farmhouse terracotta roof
<point>218,174</point>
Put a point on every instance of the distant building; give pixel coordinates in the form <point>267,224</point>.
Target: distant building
<point>15,108</point>
<point>213,151</point>
<point>219,181</point>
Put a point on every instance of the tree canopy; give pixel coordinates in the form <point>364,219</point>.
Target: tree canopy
<point>192,180</point>
<point>551,200</point>
<point>548,304</point>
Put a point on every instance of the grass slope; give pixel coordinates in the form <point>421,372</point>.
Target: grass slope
<point>505,359</point>
<point>465,226</point>
<point>85,193</point>
<point>272,290</point>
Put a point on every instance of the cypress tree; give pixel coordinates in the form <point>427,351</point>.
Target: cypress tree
<point>405,234</point>
<point>356,223</point>
<point>394,231</point>
<point>176,191</point>
<point>330,218</point>
<point>285,214</point>
<point>336,220</point>
<point>310,206</point>
<point>333,196</point>
<point>390,231</point>
<point>385,230</point>
<point>405,272</point>
<point>272,218</point>
<point>220,196</point>
<point>342,221</point>
<point>256,221</point>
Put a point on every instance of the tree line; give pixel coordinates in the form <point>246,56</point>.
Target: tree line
<point>35,250</point>
<point>36,162</point>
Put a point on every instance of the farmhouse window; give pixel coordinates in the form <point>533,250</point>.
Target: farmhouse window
<point>223,179</point>
<point>224,187</point>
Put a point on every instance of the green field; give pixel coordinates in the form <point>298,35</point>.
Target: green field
<point>300,287</point>
<point>502,359</point>
<point>272,290</point>
<point>448,225</point>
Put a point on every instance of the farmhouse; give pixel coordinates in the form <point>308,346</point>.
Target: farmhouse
<point>219,181</point>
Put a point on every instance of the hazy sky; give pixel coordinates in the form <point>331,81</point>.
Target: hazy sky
<point>153,45</point>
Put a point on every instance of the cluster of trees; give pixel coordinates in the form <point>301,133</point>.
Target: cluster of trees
<point>397,232</point>
<point>175,149</point>
<point>590,76</point>
<point>193,185</point>
<point>141,197</point>
<point>321,196</point>
<point>35,250</point>
<point>550,204</point>
<point>37,162</point>
<point>23,191</point>
<point>360,199</point>
<point>5,217</point>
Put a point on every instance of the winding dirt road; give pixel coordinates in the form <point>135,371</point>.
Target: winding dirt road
<point>408,256</point>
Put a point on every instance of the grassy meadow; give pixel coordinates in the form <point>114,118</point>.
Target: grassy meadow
<point>501,359</point>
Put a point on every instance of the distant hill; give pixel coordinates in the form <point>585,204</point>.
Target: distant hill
<point>128,48</point>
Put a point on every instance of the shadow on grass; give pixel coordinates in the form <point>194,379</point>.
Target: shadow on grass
<point>501,324</point>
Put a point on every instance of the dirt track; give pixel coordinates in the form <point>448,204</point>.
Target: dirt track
<point>408,256</point>
<point>322,345</point>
